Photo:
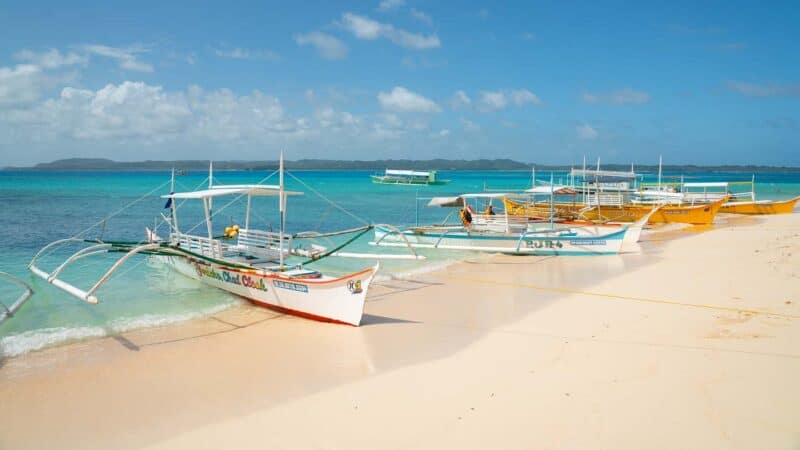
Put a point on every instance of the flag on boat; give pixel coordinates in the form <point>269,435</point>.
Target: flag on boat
<point>169,201</point>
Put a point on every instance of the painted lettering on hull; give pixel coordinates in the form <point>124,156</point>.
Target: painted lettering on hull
<point>231,278</point>
<point>297,287</point>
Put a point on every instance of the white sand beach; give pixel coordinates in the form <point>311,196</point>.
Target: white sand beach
<point>693,344</point>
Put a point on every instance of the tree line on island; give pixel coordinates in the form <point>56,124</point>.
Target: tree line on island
<point>101,164</point>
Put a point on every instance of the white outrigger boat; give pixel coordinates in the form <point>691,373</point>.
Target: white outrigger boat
<point>250,263</point>
<point>504,233</point>
<point>408,177</point>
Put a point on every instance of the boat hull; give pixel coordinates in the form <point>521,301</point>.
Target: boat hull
<point>339,300</point>
<point>533,244</point>
<point>760,207</point>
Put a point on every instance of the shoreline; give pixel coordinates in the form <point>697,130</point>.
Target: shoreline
<point>458,331</point>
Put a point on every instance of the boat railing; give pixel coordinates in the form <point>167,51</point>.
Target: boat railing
<point>605,199</point>
<point>265,244</point>
<point>198,244</point>
<point>499,223</point>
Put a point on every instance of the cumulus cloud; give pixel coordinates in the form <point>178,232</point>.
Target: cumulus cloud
<point>460,100</point>
<point>327,46</point>
<point>126,57</point>
<point>20,84</point>
<point>51,58</point>
<point>586,132</point>
<point>493,100</point>
<point>388,5</point>
<point>764,90</point>
<point>243,53</point>
<point>329,118</point>
<point>400,99</point>
<point>444,133</point>
<point>497,100</point>
<point>523,96</point>
<point>625,96</point>
<point>363,27</point>
<point>421,16</point>
<point>136,110</point>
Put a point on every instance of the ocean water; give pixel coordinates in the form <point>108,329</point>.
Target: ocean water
<point>40,207</point>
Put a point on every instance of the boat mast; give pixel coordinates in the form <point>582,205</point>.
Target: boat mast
<point>207,202</point>
<point>659,173</point>
<point>281,209</point>
<point>172,203</point>
<point>552,200</point>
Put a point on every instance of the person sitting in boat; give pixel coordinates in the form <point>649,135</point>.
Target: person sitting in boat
<point>489,210</point>
<point>466,216</point>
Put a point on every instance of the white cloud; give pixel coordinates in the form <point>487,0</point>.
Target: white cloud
<point>51,59</point>
<point>388,5</point>
<point>330,118</point>
<point>528,36</point>
<point>497,100</point>
<point>144,113</point>
<point>444,133</point>
<point>125,57</point>
<point>460,100</point>
<point>20,84</point>
<point>764,90</point>
<point>586,132</point>
<point>522,96</point>
<point>327,46</point>
<point>493,100</point>
<point>483,13</point>
<point>620,97</point>
<point>470,125</point>
<point>243,53</point>
<point>401,99</point>
<point>365,28</point>
<point>421,16</point>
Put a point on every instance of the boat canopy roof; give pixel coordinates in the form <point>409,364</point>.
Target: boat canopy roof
<point>408,173</point>
<point>446,201</point>
<point>485,195</point>
<point>217,191</point>
<point>707,184</point>
<point>587,173</point>
<point>552,190</point>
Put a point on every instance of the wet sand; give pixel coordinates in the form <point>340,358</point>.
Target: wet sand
<point>694,343</point>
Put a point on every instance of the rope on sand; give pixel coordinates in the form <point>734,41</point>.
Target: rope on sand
<point>619,297</point>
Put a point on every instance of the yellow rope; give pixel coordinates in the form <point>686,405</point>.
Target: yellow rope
<point>618,297</point>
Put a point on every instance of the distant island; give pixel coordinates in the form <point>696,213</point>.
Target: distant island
<point>101,164</point>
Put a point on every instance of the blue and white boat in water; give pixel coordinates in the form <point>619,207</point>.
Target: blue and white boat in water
<point>498,232</point>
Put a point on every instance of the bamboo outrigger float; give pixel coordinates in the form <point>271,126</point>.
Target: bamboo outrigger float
<point>250,263</point>
<point>8,310</point>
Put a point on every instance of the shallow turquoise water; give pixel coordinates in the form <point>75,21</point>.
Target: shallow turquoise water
<point>38,208</point>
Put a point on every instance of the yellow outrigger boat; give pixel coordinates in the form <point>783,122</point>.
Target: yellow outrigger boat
<point>758,207</point>
<point>702,214</point>
<point>738,202</point>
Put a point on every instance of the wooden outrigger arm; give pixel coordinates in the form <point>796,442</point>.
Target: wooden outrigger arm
<point>8,311</point>
<point>99,248</point>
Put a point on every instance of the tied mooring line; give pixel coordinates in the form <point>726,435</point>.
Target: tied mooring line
<point>619,297</point>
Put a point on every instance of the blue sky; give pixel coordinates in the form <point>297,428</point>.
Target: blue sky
<point>544,82</point>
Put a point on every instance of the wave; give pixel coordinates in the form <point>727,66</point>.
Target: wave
<point>33,340</point>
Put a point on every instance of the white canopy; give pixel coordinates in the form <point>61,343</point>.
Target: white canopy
<point>408,173</point>
<point>225,190</point>
<point>602,173</point>
<point>550,190</point>
<point>446,201</point>
<point>485,195</point>
<point>707,184</point>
